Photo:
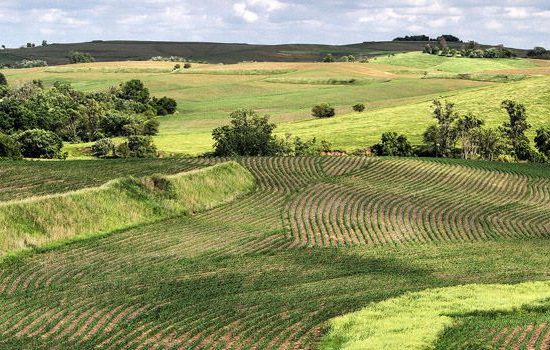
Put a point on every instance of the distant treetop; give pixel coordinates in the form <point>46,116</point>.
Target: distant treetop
<point>422,37</point>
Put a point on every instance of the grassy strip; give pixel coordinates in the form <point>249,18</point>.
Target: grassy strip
<point>236,71</point>
<point>495,78</point>
<point>320,81</point>
<point>415,320</point>
<point>118,204</point>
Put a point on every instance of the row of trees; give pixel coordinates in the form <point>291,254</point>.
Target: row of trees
<point>469,50</point>
<point>447,37</point>
<point>61,113</point>
<point>466,137</point>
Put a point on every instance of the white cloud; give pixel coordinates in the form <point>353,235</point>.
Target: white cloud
<point>241,10</point>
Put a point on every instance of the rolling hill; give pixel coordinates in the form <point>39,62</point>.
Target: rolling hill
<point>104,51</point>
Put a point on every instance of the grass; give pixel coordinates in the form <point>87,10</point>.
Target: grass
<point>415,320</point>
<point>117,204</point>
<point>236,277</point>
<point>523,328</point>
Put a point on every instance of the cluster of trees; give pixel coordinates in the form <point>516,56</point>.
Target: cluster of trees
<point>26,64</point>
<point>447,37</point>
<point>329,58</point>
<point>80,57</point>
<point>466,137</point>
<point>539,52</point>
<point>38,120</point>
<point>249,134</point>
<point>469,50</point>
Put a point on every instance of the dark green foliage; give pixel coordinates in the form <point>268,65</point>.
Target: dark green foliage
<point>151,126</point>
<point>441,138</point>
<point>359,107</point>
<point>295,146</point>
<point>466,130</point>
<point>8,147</point>
<point>80,57</point>
<point>103,148</point>
<point>3,80</point>
<point>539,52</point>
<point>134,90</point>
<point>37,143</point>
<point>177,66</point>
<point>248,134</point>
<point>164,105</point>
<point>413,38</point>
<point>392,144</point>
<point>489,142</point>
<point>329,58</point>
<point>186,65</point>
<point>514,130</point>
<point>138,146</point>
<point>323,110</point>
<point>113,124</point>
<point>542,141</point>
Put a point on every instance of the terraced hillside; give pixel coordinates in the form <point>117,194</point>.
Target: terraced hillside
<point>252,274</point>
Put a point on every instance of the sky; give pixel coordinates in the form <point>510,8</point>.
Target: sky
<point>519,23</point>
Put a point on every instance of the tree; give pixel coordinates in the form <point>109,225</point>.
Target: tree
<point>8,147</point>
<point>514,130</point>
<point>537,52</point>
<point>248,134</point>
<point>392,144</point>
<point>186,65</point>
<point>542,141</point>
<point>37,143</point>
<point>141,146</point>
<point>80,57</point>
<point>466,129</point>
<point>442,42</point>
<point>359,107</point>
<point>3,80</point>
<point>329,58</point>
<point>489,142</point>
<point>134,90</point>
<point>44,43</point>
<point>442,137</point>
<point>323,110</point>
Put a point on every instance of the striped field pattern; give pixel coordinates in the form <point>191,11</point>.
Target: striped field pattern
<point>263,272</point>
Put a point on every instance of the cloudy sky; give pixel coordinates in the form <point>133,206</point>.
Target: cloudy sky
<point>519,23</point>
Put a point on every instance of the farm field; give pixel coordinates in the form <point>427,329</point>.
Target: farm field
<point>397,91</point>
<point>318,238</point>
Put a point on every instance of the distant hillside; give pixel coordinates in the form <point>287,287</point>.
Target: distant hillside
<point>56,54</point>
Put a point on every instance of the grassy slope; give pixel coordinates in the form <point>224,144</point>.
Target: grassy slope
<point>118,204</point>
<point>414,321</point>
<point>231,277</point>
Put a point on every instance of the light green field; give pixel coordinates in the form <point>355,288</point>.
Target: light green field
<point>393,89</point>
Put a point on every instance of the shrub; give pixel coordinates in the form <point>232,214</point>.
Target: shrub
<point>164,105</point>
<point>248,134</point>
<point>3,80</point>
<point>359,107</point>
<point>329,58</point>
<point>392,144</point>
<point>103,148</point>
<point>37,143</point>
<point>187,65</point>
<point>113,124</point>
<point>8,147</point>
<point>80,57</point>
<point>141,146</point>
<point>324,110</point>
<point>177,66</point>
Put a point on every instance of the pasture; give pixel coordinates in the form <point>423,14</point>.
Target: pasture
<point>270,269</point>
<point>397,91</point>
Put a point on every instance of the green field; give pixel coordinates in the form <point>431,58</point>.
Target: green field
<point>325,252</point>
<point>318,238</point>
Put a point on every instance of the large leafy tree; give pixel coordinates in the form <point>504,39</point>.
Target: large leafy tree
<point>442,137</point>
<point>514,129</point>
<point>248,134</point>
<point>542,141</point>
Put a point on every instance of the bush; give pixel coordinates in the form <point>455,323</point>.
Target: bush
<point>323,110</point>
<point>8,147</point>
<point>392,144</point>
<point>542,141</point>
<point>103,148</point>
<point>134,90</point>
<point>141,146</point>
<point>37,143</point>
<point>80,57</point>
<point>329,58</point>
<point>3,80</point>
<point>248,134</point>
<point>151,126</point>
<point>359,107</point>
<point>187,66</point>
<point>164,105</point>
<point>177,67</point>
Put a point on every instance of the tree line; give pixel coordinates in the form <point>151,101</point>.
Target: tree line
<point>35,120</point>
